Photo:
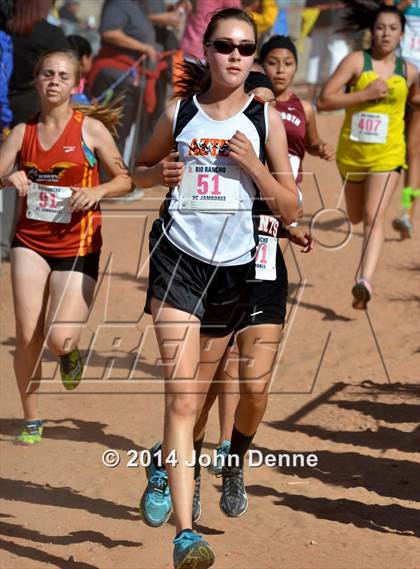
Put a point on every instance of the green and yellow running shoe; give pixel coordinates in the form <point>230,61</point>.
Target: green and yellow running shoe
<point>71,369</point>
<point>191,551</point>
<point>31,433</point>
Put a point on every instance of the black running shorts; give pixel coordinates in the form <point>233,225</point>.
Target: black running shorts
<point>87,264</point>
<point>267,299</point>
<point>217,295</point>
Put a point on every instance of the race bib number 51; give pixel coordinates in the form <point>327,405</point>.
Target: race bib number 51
<point>48,203</point>
<point>265,260</point>
<point>369,127</point>
<point>209,188</point>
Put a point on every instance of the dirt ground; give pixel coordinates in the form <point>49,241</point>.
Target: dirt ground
<point>345,388</point>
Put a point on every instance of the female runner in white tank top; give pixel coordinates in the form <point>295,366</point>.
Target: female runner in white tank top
<point>202,248</point>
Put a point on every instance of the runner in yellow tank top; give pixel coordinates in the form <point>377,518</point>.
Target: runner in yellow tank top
<point>373,87</point>
<point>372,136</point>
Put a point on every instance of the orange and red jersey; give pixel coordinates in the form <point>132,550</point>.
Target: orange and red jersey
<point>67,163</point>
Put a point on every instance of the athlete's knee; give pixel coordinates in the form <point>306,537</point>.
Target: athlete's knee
<point>62,340</point>
<point>373,218</point>
<point>183,405</point>
<point>255,405</point>
<point>255,397</point>
<point>28,338</point>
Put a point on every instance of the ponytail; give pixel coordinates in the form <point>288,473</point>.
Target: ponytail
<point>194,78</point>
<point>110,115</point>
<point>362,14</point>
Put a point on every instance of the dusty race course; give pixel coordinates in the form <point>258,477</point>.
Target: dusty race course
<point>345,388</point>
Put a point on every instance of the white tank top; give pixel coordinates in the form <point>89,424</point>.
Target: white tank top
<point>215,236</point>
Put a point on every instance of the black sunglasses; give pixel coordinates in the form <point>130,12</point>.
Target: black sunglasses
<point>227,46</point>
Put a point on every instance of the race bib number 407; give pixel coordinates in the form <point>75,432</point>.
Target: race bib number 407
<point>48,203</point>
<point>369,127</point>
<point>210,188</point>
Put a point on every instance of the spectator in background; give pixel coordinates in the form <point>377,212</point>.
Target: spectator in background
<point>6,66</point>
<point>192,40</point>
<point>281,25</point>
<point>69,11</point>
<point>165,22</point>
<point>82,47</point>
<point>32,35</point>
<point>69,20</point>
<point>71,24</point>
<point>328,49</point>
<point>53,15</point>
<point>294,18</point>
<point>264,13</point>
<point>126,34</point>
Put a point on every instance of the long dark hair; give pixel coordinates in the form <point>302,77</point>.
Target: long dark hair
<point>80,45</point>
<point>195,75</point>
<point>362,14</point>
<point>26,14</point>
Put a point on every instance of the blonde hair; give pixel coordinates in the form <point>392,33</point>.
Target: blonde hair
<point>67,53</point>
<point>109,115</point>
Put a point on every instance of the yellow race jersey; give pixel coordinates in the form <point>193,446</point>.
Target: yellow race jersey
<point>372,135</point>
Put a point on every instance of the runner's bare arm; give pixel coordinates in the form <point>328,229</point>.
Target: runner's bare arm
<point>98,138</point>
<point>279,189</point>
<point>8,155</point>
<point>301,238</point>
<point>313,142</point>
<point>413,80</point>
<point>158,164</point>
<point>120,39</point>
<point>333,95</point>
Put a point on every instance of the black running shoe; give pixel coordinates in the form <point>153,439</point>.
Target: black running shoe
<point>234,501</point>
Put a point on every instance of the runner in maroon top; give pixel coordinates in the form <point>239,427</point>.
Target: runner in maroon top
<point>294,119</point>
<point>269,300</point>
<point>279,59</point>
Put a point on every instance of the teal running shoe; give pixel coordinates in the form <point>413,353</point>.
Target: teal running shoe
<point>71,369</point>
<point>221,454</point>
<point>31,433</point>
<point>156,504</point>
<point>404,226</point>
<point>191,551</point>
